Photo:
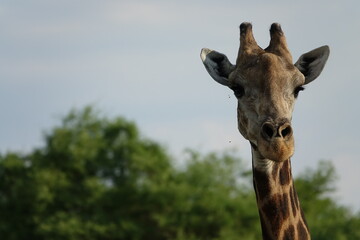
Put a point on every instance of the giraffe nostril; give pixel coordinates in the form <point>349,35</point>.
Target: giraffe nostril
<point>267,130</point>
<point>286,131</point>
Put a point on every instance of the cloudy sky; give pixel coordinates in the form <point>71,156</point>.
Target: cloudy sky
<point>140,60</point>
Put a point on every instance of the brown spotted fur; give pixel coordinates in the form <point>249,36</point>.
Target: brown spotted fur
<point>278,203</point>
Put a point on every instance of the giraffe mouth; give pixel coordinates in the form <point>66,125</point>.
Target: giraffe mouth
<point>276,150</point>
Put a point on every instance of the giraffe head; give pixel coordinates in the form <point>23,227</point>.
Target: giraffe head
<point>266,84</point>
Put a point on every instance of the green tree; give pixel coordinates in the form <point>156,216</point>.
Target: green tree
<point>89,181</point>
<point>98,178</point>
<point>326,218</point>
<point>17,195</point>
<point>208,200</point>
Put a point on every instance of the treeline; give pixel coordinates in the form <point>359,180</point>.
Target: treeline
<point>97,178</point>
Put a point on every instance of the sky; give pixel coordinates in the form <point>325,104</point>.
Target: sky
<point>141,60</point>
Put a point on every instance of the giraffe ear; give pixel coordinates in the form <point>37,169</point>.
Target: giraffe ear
<point>217,65</point>
<point>312,63</point>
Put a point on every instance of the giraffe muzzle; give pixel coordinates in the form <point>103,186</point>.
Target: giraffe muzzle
<point>270,130</point>
<point>276,141</point>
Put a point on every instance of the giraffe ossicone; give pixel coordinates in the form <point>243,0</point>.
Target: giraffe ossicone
<point>266,84</point>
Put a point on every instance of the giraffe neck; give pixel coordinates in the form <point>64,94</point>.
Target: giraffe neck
<point>278,204</point>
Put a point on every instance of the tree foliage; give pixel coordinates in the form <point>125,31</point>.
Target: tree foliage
<point>97,178</point>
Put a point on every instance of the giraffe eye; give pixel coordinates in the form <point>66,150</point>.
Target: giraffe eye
<point>239,91</point>
<point>297,90</point>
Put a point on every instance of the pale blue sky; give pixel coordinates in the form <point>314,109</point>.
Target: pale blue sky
<point>140,59</point>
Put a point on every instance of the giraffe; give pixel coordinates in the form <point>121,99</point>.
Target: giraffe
<point>266,84</point>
